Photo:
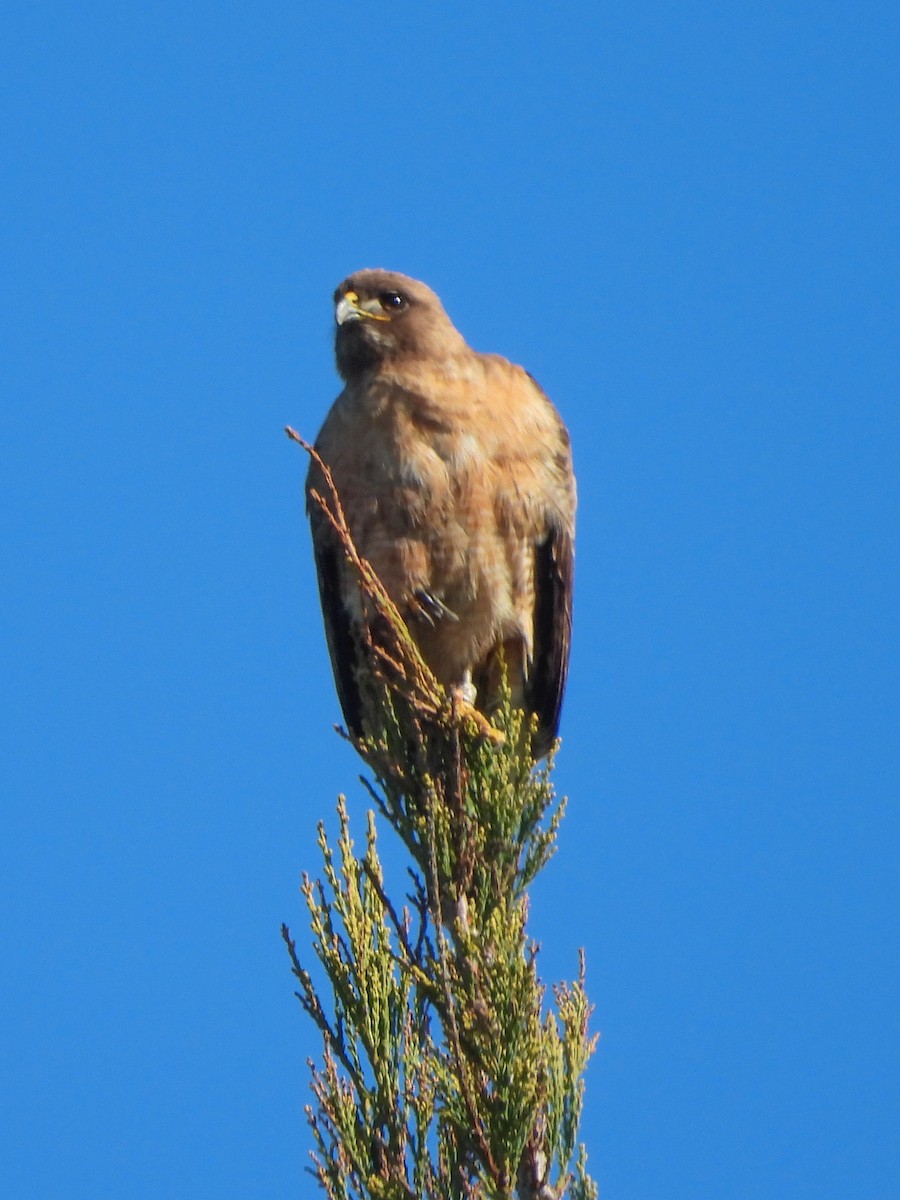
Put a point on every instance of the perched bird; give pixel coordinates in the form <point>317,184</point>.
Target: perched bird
<point>455,475</point>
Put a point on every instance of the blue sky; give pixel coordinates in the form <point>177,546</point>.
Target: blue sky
<point>683,220</point>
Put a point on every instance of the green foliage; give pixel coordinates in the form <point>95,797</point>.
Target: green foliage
<point>444,1075</point>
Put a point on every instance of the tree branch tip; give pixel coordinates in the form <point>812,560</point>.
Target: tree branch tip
<point>295,437</point>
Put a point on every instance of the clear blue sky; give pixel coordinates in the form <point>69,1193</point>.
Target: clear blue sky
<point>683,219</point>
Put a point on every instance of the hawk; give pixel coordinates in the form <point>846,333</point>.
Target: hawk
<point>455,475</point>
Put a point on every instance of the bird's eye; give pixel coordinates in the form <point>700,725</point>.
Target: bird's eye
<point>392,300</point>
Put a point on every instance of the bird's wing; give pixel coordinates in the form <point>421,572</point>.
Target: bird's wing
<point>554,576</point>
<point>554,564</point>
<point>343,641</point>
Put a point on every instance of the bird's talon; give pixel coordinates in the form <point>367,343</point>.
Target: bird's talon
<point>464,712</point>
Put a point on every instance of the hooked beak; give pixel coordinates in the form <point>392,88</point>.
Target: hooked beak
<point>348,308</point>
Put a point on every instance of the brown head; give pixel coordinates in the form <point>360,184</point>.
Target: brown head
<point>383,316</point>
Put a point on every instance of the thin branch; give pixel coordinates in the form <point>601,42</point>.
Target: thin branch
<point>450,1015</point>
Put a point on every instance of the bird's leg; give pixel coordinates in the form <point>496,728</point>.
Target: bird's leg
<point>462,705</point>
<point>465,692</point>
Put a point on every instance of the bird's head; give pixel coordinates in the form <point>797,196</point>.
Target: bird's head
<point>382,316</point>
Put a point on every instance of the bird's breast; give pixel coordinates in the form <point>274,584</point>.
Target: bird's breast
<point>441,489</point>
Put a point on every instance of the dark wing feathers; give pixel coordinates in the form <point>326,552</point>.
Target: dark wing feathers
<point>554,569</point>
<point>554,577</point>
<point>343,645</point>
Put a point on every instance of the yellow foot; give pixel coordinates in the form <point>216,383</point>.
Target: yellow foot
<point>464,711</point>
